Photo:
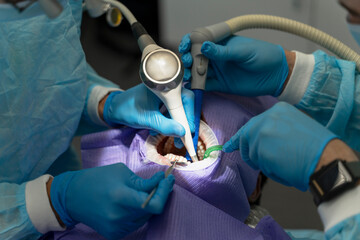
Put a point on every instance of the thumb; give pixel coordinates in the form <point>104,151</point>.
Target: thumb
<point>217,52</point>
<point>163,125</point>
<point>233,143</point>
<point>146,185</point>
<point>246,145</point>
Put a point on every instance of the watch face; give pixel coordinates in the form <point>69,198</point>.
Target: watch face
<point>334,177</point>
<point>330,181</point>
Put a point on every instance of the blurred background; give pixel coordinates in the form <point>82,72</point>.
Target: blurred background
<point>114,54</point>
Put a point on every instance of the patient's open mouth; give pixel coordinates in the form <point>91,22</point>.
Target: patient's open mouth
<point>161,149</point>
<point>165,147</point>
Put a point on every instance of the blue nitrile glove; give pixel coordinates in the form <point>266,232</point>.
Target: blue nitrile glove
<point>284,143</point>
<point>108,199</point>
<point>138,107</point>
<point>240,65</point>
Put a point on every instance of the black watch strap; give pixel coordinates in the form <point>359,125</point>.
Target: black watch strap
<point>333,179</point>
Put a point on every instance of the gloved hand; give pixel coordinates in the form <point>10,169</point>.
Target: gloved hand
<point>138,107</point>
<point>108,199</point>
<point>240,65</point>
<point>284,143</point>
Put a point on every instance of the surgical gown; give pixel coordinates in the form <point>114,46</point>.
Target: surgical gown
<point>46,89</point>
<point>328,89</point>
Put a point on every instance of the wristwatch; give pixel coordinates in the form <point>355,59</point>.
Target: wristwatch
<point>334,179</point>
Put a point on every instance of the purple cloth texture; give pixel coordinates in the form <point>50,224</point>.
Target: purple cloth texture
<point>270,229</point>
<point>210,203</point>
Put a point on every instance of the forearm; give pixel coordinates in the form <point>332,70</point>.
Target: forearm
<point>48,190</point>
<point>327,89</point>
<point>341,212</point>
<point>290,58</point>
<point>336,149</point>
<point>28,208</point>
<point>98,89</point>
<point>101,106</point>
<point>13,206</point>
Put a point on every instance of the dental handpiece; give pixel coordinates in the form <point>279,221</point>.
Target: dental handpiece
<point>162,72</point>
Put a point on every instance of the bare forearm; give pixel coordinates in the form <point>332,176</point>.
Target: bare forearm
<point>101,107</point>
<point>290,58</point>
<point>48,188</point>
<point>336,149</point>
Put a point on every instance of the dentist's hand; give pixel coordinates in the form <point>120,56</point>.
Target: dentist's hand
<point>240,65</point>
<point>138,107</point>
<point>108,199</point>
<point>284,143</point>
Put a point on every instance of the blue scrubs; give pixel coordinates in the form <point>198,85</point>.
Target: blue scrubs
<point>44,83</point>
<point>333,97</point>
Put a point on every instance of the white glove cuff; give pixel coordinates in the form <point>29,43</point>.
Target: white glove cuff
<point>38,206</point>
<point>342,207</point>
<point>299,79</point>
<point>98,93</point>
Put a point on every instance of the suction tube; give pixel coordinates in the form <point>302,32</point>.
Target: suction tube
<point>143,38</point>
<point>220,31</point>
<point>303,30</point>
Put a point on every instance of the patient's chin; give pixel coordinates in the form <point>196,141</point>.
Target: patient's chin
<point>161,149</point>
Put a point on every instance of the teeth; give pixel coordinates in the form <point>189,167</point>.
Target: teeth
<point>180,159</point>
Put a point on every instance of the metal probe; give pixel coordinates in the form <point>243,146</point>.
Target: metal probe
<point>167,173</point>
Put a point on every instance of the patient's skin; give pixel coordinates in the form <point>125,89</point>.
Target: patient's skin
<point>353,8</point>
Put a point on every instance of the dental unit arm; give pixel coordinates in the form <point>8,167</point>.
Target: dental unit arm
<point>220,31</point>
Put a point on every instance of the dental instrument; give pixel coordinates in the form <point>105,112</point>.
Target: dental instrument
<point>167,173</point>
<point>212,149</point>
